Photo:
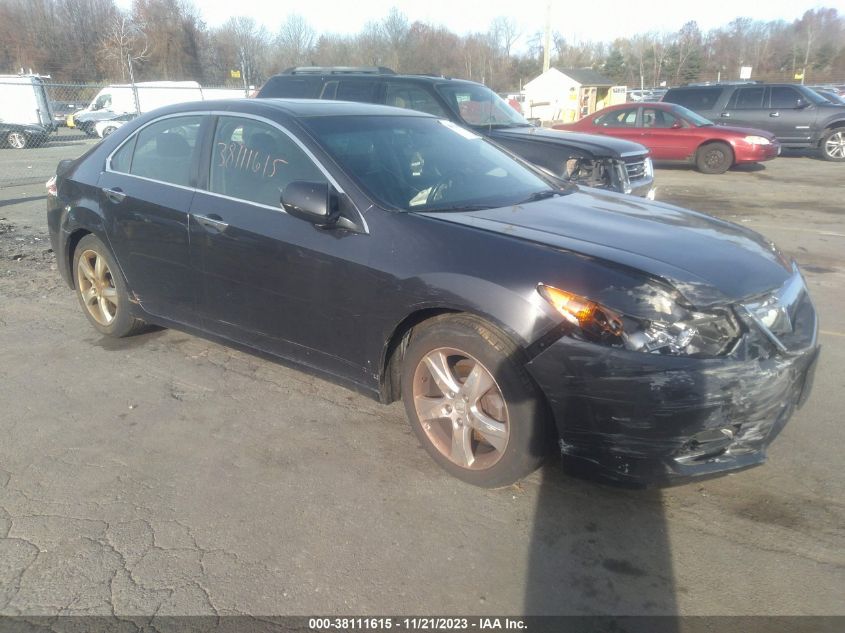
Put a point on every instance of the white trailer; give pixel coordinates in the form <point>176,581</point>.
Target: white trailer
<point>25,116</point>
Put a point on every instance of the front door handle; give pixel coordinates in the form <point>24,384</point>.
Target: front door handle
<point>774,113</point>
<point>115,195</point>
<point>212,222</point>
<point>726,115</point>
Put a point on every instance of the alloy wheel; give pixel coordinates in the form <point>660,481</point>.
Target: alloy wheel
<point>96,286</point>
<point>461,408</point>
<point>834,146</point>
<point>17,140</point>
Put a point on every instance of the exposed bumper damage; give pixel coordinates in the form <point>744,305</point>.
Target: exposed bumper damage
<point>649,418</point>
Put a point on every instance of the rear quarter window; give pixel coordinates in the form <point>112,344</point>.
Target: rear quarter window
<point>694,98</point>
<point>291,87</point>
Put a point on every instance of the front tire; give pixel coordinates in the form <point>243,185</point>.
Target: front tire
<point>472,404</point>
<point>714,158</point>
<point>17,140</point>
<point>102,291</point>
<point>833,145</point>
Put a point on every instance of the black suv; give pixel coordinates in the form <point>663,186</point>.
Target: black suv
<point>586,159</point>
<point>798,116</point>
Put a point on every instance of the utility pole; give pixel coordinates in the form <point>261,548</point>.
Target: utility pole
<point>547,40</point>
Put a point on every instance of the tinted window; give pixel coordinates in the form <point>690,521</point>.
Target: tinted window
<point>618,118</point>
<point>784,97</point>
<point>694,98</point>
<point>352,90</point>
<point>165,150</point>
<point>747,98</point>
<point>291,87</point>
<point>422,163</point>
<point>404,95</point>
<point>254,161</point>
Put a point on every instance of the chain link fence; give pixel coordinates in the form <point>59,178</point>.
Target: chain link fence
<point>42,123</point>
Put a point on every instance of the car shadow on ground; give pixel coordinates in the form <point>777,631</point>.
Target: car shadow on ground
<point>598,550</point>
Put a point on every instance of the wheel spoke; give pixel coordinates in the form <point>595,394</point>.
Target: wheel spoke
<point>100,269</point>
<point>89,296</point>
<point>493,431</point>
<point>430,408</point>
<point>462,446</point>
<point>438,364</point>
<point>477,383</point>
<point>104,309</point>
<point>110,294</point>
<point>87,270</point>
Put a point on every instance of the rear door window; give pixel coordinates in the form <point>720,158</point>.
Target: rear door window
<point>164,151</point>
<point>618,118</point>
<point>356,90</point>
<point>747,98</point>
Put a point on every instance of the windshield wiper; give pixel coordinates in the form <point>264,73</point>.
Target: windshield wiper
<point>458,207</point>
<point>542,195</point>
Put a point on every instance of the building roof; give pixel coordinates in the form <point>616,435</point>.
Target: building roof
<point>586,77</point>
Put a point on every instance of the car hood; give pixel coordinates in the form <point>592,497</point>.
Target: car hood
<point>706,259</point>
<point>598,146</point>
<point>743,131</point>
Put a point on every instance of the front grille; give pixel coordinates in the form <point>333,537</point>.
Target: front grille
<point>635,170</point>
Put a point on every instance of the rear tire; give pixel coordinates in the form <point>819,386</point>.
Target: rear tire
<point>714,158</point>
<point>833,145</point>
<point>102,291</point>
<point>482,418</point>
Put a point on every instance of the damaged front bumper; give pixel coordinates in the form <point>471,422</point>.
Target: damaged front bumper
<point>648,419</point>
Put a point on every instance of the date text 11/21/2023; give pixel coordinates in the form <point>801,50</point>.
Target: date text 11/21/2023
<point>431,623</point>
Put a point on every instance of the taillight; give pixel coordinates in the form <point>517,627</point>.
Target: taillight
<point>52,189</point>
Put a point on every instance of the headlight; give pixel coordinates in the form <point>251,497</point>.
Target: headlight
<point>692,333</point>
<point>757,140</point>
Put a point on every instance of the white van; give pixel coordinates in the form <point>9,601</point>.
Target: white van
<point>117,99</point>
<point>25,116</point>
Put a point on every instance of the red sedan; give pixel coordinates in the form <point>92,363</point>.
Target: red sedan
<point>673,133</point>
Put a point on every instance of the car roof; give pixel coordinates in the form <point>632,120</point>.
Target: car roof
<point>330,76</point>
<point>295,108</point>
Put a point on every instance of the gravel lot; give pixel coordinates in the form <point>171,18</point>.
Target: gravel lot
<point>165,474</point>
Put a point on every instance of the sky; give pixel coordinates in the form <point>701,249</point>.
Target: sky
<point>597,20</point>
<point>588,20</point>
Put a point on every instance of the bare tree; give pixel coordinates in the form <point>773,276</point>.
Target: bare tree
<point>124,43</point>
<point>294,41</point>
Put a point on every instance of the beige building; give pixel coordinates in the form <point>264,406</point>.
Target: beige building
<point>569,94</point>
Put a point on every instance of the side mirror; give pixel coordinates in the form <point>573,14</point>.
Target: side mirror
<point>677,125</point>
<point>310,201</point>
<point>800,104</point>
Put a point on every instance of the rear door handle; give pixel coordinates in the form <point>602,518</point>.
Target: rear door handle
<point>212,222</point>
<point>115,195</point>
<point>774,113</point>
<point>726,115</point>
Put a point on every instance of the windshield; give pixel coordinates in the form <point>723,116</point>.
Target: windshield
<point>479,106</point>
<point>696,119</point>
<point>425,164</point>
<point>812,96</point>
